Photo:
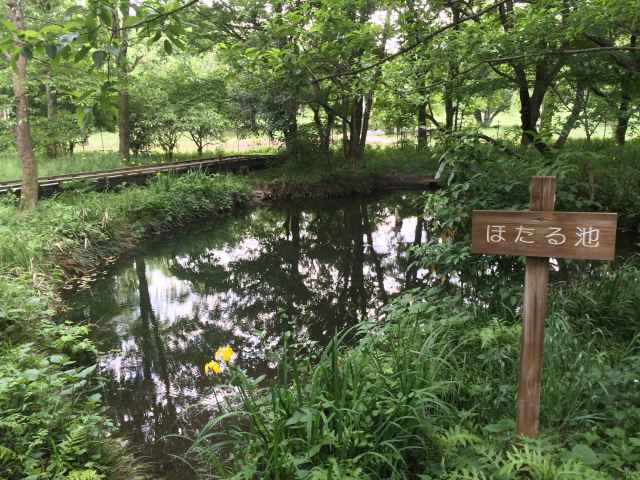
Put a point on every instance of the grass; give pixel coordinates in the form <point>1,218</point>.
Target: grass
<point>91,161</point>
<point>309,174</point>
<point>52,424</point>
<point>428,392</point>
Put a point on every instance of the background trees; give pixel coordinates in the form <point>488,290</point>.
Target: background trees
<point>315,75</point>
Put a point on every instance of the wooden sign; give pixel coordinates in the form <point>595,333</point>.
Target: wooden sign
<point>539,234</point>
<point>584,236</point>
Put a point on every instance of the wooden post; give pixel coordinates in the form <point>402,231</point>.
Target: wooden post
<point>543,197</point>
<point>538,234</point>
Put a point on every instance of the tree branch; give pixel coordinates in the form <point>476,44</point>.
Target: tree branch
<point>160,16</point>
<point>414,45</point>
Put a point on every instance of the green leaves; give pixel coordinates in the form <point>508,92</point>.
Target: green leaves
<point>52,50</point>
<point>99,57</point>
<point>584,454</point>
<point>105,14</point>
<point>168,47</point>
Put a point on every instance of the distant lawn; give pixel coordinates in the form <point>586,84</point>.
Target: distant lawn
<point>93,161</point>
<point>79,162</point>
<point>100,153</point>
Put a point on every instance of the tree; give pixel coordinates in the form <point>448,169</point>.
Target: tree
<point>29,189</point>
<point>204,125</point>
<point>120,18</point>
<point>488,106</point>
<point>538,30</point>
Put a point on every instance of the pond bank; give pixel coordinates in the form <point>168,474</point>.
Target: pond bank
<point>47,388</point>
<point>340,185</point>
<point>69,239</point>
<point>309,269</point>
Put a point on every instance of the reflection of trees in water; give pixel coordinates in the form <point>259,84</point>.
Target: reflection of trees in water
<point>311,270</point>
<point>316,267</point>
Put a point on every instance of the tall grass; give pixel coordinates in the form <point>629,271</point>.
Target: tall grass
<point>52,424</point>
<point>430,393</point>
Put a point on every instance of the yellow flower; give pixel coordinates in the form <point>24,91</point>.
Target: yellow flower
<point>224,354</point>
<point>212,367</point>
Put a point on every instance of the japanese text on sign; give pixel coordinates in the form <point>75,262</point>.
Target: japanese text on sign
<point>580,235</point>
<point>584,236</point>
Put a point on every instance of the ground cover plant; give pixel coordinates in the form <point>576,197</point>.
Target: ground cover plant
<point>429,389</point>
<point>52,422</point>
<point>327,175</point>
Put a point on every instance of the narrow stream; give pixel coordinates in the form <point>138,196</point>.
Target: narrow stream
<point>314,268</point>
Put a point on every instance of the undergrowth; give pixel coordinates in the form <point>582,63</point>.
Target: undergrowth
<point>309,174</point>
<point>429,390</point>
<point>52,424</point>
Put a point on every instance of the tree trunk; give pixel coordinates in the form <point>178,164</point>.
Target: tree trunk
<point>623,112</point>
<point>324,130</point>
<point>477,115</point>
<point>29,191</point>
<point>449,110</point>
<point>52,146</point>
<point>124,123</point>
<point>368,106</point>
<point>353,147</point>
<point>529,116</point>
<point>546,116</point>
<point>623,115</point>
<point>422,126</point>
<point>570,123</point>
<point>326,141</point>
<point>290,129</point>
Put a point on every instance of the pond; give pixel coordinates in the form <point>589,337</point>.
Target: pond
<point>311,269</point>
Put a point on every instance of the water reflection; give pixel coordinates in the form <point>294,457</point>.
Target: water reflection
<point>311,269</point>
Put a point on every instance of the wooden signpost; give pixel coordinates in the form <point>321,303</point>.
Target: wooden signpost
<point>539,234</point>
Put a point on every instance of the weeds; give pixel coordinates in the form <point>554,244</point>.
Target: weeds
<point>428,391</point>
<point>51,421</point>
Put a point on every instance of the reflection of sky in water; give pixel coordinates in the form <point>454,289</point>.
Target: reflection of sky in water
<point>309,270</point>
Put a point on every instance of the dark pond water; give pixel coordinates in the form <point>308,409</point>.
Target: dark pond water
<point>312,268</point>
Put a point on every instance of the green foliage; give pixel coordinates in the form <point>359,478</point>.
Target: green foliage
<point>429,393</point>
<point>51,421</point>
<point>315,175</point>
<point>602,307</point>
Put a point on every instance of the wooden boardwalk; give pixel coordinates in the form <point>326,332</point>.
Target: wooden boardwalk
<point>109,178</point>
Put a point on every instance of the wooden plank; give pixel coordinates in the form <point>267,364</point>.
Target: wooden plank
<point>542,198</point>
<point>578,235</point>
<point>122,174</point>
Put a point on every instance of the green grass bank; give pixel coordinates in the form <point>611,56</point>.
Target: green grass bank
<point>52,424</point>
